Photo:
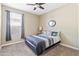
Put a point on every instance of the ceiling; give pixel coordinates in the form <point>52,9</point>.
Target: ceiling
<point>48,7</point>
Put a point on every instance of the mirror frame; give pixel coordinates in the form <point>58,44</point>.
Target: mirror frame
<point>53,21</point>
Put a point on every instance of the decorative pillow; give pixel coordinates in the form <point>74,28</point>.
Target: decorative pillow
<point>54,33</point>
<point>44,32</point>
<point>49,33</point>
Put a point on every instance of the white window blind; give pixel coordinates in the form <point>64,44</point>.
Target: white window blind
<point>16,19</point>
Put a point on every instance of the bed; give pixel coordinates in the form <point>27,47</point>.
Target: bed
<point>38,43</point>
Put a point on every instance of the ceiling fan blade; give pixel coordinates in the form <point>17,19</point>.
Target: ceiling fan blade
<point>40,3</point>
<point>41,7</point>
<point>31,4</point>
<point>34,8</point>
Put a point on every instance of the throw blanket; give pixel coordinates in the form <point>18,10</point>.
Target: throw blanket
<point>41,40</point>
<point>50,40</point>
<point>37,42</point>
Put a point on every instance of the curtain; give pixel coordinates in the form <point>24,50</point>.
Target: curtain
<point>8,32</point>
<point>22,31</point>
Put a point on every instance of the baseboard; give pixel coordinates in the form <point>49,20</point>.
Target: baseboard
<point>11,43</point>
<point>69,46</point>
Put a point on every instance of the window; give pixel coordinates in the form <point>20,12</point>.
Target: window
<point>16,19</point>
<point>16,25</point>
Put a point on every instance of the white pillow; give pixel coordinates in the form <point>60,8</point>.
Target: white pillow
<point>48,33</point>
<point>44,32</point>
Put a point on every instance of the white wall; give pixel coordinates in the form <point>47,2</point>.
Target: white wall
<point>78,22</point>
<point>0,24</point>
<point>67,22</point>
<point>66,18</point>
<point>31,23</point>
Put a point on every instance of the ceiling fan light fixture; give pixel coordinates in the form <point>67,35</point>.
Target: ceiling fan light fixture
<point>37,5</point>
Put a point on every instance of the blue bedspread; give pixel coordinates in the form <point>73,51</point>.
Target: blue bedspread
<point>51,41</point>
<point>39,44</point>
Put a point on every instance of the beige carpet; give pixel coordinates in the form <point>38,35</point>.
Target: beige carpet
<point>22,49</point>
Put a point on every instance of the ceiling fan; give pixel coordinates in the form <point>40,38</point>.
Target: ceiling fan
<point>37,5</point>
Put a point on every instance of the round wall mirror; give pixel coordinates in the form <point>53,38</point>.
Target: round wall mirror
<point>52,23</point>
